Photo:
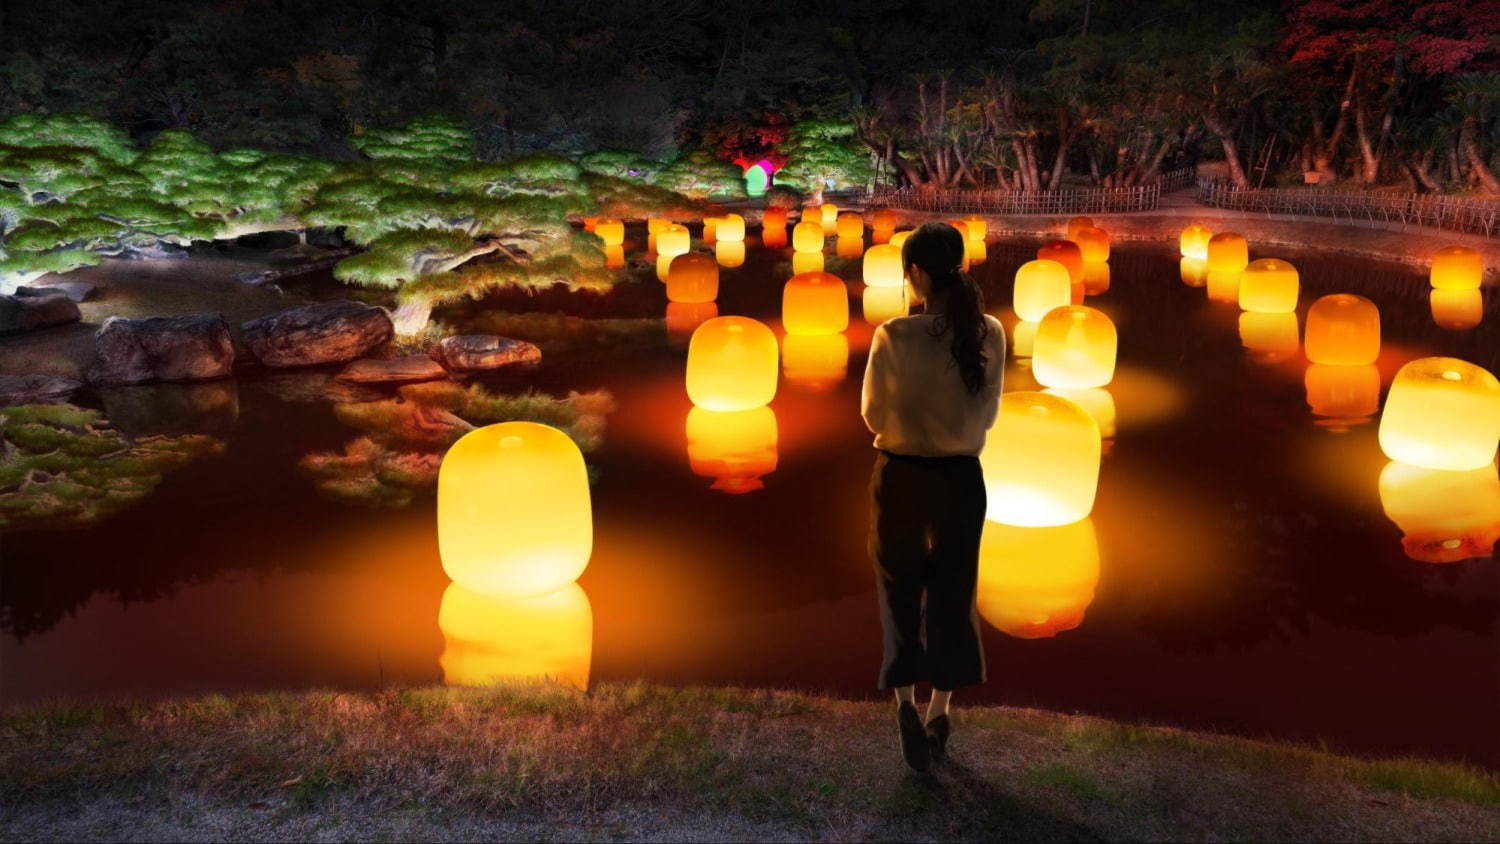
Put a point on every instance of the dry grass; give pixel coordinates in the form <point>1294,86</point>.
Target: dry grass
<point>641,761</point>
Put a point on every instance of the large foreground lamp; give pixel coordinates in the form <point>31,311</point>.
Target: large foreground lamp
<point>1036,582</point>
<point>491,639</point>
<point>1075,348</point>
<point>1344,330</point>
<point>735,448</point>
<point>1040,461</point>
<point>1040,286</point>
<point>1269,286</point>
<point>731,364</point>
<point>1457,268</point>
<point>1442,413</point>
<point>815,303</point>
<point>1446,516</point>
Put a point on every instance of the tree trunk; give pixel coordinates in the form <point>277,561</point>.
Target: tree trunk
<point>1064,140</point>
<point>1231,150</point>
<point>411,317</point>
<point>1469,141</point>
<point>1421,169</point>
<point>1370,159</point>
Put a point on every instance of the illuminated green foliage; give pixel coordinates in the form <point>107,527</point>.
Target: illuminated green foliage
<point>823,154</point>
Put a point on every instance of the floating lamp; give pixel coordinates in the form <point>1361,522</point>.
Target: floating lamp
<point>513,510</point>
<point>899,238</point>
<point>815,361</point>
<point>883,220</point>
<point>1036,582</point>
<point>1343,329</point>
<point>961,227</point>
<point>1093,242</point>
<point>1098,402</point>
<point>756,180</point>
<point>813,214</point>
<point>1269,286</point>
<point>1040,286</point>
<point>731,364</point>
<point>611,231</point>
<point>815,303</point>
<point>1096,278</point>
<point>975,252</point>
<point>807,236</point>
<point>1078,224</point>
<point>489,639</point>
<point>730,227</point>
<point>883,303</point>
<point>1064,252</point>
<point>657,225</point>
<point>1193,243</point>
<point>1075,348</point>
<point>730,253</point>
<point>1224,286</point>
<point>1441,413</point>
<point>850,225</point>
<point>1194,273</point>
<point>673,241</point>
<point>693,277</point>
<point>849,248</point>
<point>773,218</point>
<point>1445,516</point>
<point>976,227</point>
<point>1023,337</point>
<point>589,223</point>
<point>1345,394</point>
<point>1040,461</point>
<point>830,216</point>
<point>664,267</point>
<point>1457,310</point>
<point>1457,268</point>
<point>1269,337</point>
<point>735,448</point>
<point>807,262</point>
<point>1228,252</point>
<point>683,318</point>
<point>882,266</point>
<point>614,257</point>
<point>710,229</point>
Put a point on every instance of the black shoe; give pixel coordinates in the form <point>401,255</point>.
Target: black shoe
<point>913,738</point>
<point>937,736</point>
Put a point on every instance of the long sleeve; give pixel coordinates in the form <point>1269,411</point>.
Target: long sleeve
<point>879,378</point>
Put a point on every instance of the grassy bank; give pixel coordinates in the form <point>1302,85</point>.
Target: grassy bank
<point>638,761</point>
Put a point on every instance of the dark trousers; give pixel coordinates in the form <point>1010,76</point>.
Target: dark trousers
<point>928,513</point>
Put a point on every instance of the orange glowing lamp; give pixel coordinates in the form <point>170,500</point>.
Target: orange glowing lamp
<point>1064,252</point>
<point>849,248</point>
<point>961,227</point>
<point>735,448</point>
<point>773,237</point>
<point>815,361</point>
<point>1228,252</point>
<point>1269,286</point>
<point>614,257</point>
<point>1194,273</point>
<point>976,227</point>
<point>899,238</point>
<point>1457,310</point>
<point>657,225</point>
<point>1036,582</point>
<point>883,303</point>
<point>1445,516</point>
<point>1040,461</point>
<point>1457,268</point>
<point>507,639</point>
<point>693,277</point>
<point>1343,393</point>
<point>731,364</point>
<point>815,303</point>
<point>1224,286</point>
<point>589,223</point>
<point>1093,242</point>
<point>1343,329</point>
<point>773,218</point>
<point>730,227</point>
<point>1078,224</point>
<point>850,225</point>
<point>882,266</point>
<point>1075,348</point>
<point>1442,413</point>
<point>975,252</point>
<point>1096,278</point>
<point>807,236</point>
<point>710,227</point>
<point>1269,337</point>
<point>1040,286</point>
<point>513,510</point>
<point>883,220</point>
<point>611,231</point>
<point>1193,242</point>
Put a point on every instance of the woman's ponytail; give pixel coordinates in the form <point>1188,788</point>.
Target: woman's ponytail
<point>938,249</point>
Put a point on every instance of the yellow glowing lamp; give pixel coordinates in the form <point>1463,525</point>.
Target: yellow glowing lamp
<point>1036,582</point>
<point>710,229</point>
<point>611,231</point>
<point>850,225</point>
<point>882,266</point>
<point>489,640</point>
<point>1023,338</point>
<point>513,510</point>
<point>673,241</point>
<point>1075,348</point>
<point>614,257</point>
<point>829,215</point>
<point>1194,272</point>
<point>1441,413</point>
<point>883,303</point>
<point>1078,224</point>
<point>1444,516</point>
<point>1224,286</point>
<point>899,238</point>
<point>961,226</point>
<point>883,220</point>
<point>1096,278</point>
<point>815,303</point>
<point>1269,286</point>
<point>816,361</point>
<point>807,236</point>
<point>1040,461</point>
<point>735,448</point>
<point>1041,285</point>
<point>1457,310</point>
<point>1343,329</point>
<point>730,227</point>
<point>693,277</point>
<point>1457,268</point>
<point>1344,393</point>
<point>731,364</point>
<point>975,252</point>
<point>1269,337</point>
<point>730,253</point>
<point>664,267</point>
<point>977,227</point>
<point>1193,243</point>
<point>657,225</point>
<point>1093,242</point>
<point>1228,252</point>
<point>1097,401</point>
<point>773,218</point>
<point>849,248</point>
<point>1064,252</point>
<point>683,318</point>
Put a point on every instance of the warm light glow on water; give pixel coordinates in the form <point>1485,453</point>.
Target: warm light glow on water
<point>1445,516</point>
<point>489,640</point>
<point>1457,310</point>
<point>1035,583</point>
<point>736,448</point>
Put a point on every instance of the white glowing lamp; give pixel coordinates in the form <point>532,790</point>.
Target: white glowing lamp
<point>1442,413</point>
<point>730,227</point>
<point>882,266</point>
<point>1193,242</point>
<point>1041,286</point>
<point>807,236</point>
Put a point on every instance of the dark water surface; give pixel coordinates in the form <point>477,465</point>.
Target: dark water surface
<point>1248,578</point>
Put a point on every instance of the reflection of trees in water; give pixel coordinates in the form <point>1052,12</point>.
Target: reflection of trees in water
<point>406,437</point>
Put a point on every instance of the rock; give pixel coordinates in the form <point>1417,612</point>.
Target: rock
<point>308,335</point>
<point>78,291</point>
<point>32,311</point>
<point>254,277</point>
<point>36,389</point>
<point>468,352</point>
<point>173,409</point>
<point>196,347</point>
<point>410,368</point>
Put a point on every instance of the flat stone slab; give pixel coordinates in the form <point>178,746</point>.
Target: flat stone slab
<point>78,291</point>
<point>36,389</point>
<point>28,312</point>
<point>410,368</point>
<point>196,347</point>
<point>474,352</point>
<point>309,335</point>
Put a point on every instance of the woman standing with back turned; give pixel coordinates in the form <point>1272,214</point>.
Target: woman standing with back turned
<point>931,391</point>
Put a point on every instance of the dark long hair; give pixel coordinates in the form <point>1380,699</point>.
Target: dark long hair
<point>938,249</point>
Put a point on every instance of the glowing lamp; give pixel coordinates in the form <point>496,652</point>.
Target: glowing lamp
<point>817,361</point>
<point>1075,348</point>
<point>1194,272</point>
<point>1193,243</point>
<point>693,277</point>
<point>1269,337</point>
<point>611,231</point>
<point>807,262</point>
<point>1098,402</point>
<point>1078,224</point>
<point>735,448</point>
<point>730,253</point>
<point>829,216</point>
<point>1023,338</point>
<point>513,510</point>
<point>673,241</point>
<point>1457,310</point>
<point>773,218</point>
<point>815,303</point>
<point>614,257</point>
<point>1036,582</point>
<point>589,223</point>
<point>1441,413</point>
<point>1269,286</point>
<point>490,639</point>
<point>1228,252</point>
<point>1064,252</point>
<point>899,238</point>
<point>756,180</point>
<point>664,267</point>
<point>977,227</point>
<point>883,220</point>
<point>710,229</point>
<point>773,238</point>
<point>1444,516</point>
<point>1096,278</point>
<point>1093,242</point>
<point>1041,285</point>
<point>849,248</point>
<point>1345,394</point>
<point>813,214</point>
<point>731,364</point>
<point>882,267</point>
<point>730,227</point>
<point>683,318</point>
<point>975,252</point>
<point>807,236</point>
<point>850,225</point>
<point>1224,286</point>
<point>1343,329</point>
<point>1457,268</point>
<point>882,303</point>
<point>880,236</point>
<point>961,226</point>
<point>657,225</point>
<point>1040,461</point>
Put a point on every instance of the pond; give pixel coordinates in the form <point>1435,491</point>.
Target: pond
<point>1240,571</point>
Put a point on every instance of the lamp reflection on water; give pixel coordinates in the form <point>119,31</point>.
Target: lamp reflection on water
<point>1269,337</point>
<point>684,317</point>
<point>1224,286</point>
<point>1036,582</point>
<point>541,638</point>
<point>849,248</point>
<point>807,262</point>
<point>773,237</point>
<point>1343,395</point>
<point>730,253</point>
<point>1445,516</point>
<point>1096,278</point>
<point>735,448</point>
<point>814,361</point>
<point>1457,310</point>
<point>614,257</point>
<point>1023,337</point>
<point>1194,272</point>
